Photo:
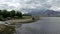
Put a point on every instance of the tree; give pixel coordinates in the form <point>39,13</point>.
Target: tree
<point>19,14</point>
<point>12,13</point>
<point>5,13</point>
<point>0,12</point>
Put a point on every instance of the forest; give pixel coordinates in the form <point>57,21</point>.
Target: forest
<point>6,15</point>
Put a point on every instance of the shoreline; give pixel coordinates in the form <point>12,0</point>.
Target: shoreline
<point>21,20</point>
<point>13,22</point>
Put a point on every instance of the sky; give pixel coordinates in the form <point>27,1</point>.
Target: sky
<point>30,4</point>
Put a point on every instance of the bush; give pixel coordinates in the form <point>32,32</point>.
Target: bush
<point>1,18</point>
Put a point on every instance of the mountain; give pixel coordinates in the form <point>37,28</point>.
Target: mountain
<point>49,13</point>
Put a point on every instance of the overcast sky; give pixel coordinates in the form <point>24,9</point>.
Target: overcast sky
<point>30,4</point>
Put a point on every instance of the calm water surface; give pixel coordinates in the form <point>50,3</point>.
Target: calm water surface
<point>47,25</point>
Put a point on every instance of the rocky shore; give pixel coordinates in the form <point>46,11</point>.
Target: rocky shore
<point>14,21</point>
<point>11,29</point>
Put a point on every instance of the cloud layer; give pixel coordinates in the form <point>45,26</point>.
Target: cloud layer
<point>30,4</point>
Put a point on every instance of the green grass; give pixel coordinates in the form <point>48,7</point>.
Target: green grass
<point>26,17</point>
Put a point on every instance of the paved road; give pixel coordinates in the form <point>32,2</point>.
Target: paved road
<point>47,25</point>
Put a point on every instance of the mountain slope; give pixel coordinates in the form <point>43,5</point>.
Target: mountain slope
<point>45,13</point>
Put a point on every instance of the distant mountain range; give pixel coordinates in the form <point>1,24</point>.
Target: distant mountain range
<point>49,13</point>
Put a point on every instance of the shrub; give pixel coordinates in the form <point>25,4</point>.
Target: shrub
<point>1,18</point>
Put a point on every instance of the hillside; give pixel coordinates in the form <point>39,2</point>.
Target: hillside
<point>49,13</point>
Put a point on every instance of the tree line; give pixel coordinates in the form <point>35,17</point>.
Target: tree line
<point>12,14</point>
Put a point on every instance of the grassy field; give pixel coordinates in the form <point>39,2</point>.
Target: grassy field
<point>26,17</point>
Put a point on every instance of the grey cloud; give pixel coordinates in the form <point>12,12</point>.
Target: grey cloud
<point>30,4</point>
